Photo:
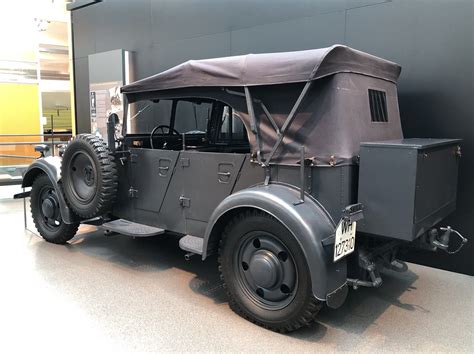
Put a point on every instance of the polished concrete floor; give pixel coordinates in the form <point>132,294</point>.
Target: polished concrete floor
<point>116,293</point>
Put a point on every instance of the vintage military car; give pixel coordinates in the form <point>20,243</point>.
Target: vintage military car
<point>292,167</point>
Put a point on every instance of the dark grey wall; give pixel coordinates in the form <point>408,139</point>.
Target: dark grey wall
<point>431,39</point>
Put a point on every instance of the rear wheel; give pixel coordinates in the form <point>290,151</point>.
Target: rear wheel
<point>47,214</point>
<point>265,273</point>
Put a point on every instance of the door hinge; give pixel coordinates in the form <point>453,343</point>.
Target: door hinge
<point>133,193</point>
<point>184,202</point>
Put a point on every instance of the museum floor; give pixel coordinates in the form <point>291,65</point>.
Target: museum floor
<point>116,293</point>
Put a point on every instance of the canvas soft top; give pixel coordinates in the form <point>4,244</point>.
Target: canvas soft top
<point>314,98</point>
<point>267,69</point>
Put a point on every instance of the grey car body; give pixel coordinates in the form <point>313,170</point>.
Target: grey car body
<point>310,138</point>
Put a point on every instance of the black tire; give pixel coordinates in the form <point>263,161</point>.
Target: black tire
<point>46,212</point>
<point>89,176</point>
<point>254,237</point>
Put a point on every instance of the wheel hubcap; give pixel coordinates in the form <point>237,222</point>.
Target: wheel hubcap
<point>83,177</point>
<point>265,270</point>
<point>89,175</point>
<point>49,208</point>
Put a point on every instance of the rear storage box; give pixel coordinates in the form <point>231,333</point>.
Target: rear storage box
<point>407,186</point>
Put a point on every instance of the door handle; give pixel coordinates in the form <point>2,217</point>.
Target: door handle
<point>223,177</point>
<point>163,171</point>
<point>224,171</point>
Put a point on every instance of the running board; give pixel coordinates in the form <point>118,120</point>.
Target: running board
<point>191,244</point>
<point>129,228</point>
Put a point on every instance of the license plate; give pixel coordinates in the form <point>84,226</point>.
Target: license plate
<point>345,239</point>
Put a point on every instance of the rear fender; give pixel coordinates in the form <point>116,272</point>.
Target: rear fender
<point>51,166</point>
<point>309,223</point>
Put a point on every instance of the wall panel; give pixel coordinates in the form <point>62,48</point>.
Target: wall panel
<point>431,39</point>
<point>19,114</point>
<point>297,34</point>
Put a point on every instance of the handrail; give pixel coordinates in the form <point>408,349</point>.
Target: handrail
<point>11,182</point>
<point>51,142</point>
<point>32,143</point>
<point>18,157</point>
<point>47,139</point>
<point>40,135</point>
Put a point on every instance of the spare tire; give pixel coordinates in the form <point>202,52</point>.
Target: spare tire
<point>89,176</point>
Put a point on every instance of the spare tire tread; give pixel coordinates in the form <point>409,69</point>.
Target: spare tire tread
<point>108,184</point>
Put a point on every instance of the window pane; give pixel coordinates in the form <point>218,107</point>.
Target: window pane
<point>225,127</point>
<point>192,117</point>
<point>231,124</point>
<point>152,114</point>
<point>238,129</point>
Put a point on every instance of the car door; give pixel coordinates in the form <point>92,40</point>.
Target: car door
<point>151,174</point>
<point>208,178</point>
<point>201,179</point>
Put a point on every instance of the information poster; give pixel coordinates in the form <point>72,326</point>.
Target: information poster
<point>105,99</point>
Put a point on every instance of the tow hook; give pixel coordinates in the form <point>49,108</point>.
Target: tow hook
<point>366,263</point>
<point>374,282</point>
<point>442,242</point>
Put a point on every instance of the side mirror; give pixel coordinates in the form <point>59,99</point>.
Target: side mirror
<point>42,148</point>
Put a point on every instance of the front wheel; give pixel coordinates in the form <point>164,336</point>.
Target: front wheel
<point>266,274</point>
<point>47,214</point>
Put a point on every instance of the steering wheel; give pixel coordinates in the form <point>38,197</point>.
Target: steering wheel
<point>162,127</point>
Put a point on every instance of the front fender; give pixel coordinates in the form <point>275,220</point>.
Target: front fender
<point>309,223</point>
<point>51,166</point>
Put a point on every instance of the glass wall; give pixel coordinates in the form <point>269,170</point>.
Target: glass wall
<point>35,87</point>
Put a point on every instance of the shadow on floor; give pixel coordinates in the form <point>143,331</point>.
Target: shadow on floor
<point>155,254</point>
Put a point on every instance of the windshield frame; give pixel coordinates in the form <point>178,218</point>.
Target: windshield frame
<point>172,117</point>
